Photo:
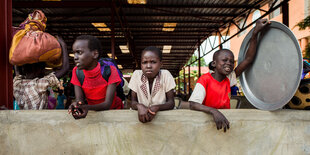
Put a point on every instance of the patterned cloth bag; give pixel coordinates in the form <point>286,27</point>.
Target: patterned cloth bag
<point>31,44</point>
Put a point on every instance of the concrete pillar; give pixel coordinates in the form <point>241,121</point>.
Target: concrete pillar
<point>6,78</point>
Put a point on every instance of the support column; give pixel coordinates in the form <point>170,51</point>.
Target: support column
<point>285,14</point>
<point>189,79</point>
<point>179,91</point>
<point>220,41</point>
<point>112,33</point>
<point>199,63</point>
<point>6,78</point>
<point>184,82</point>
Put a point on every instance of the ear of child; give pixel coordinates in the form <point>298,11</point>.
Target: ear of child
<point>95,54</point>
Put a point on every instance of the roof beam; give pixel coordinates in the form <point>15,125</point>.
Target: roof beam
<point>135,31</point>
<point>136,38</point>
<point>52,26</point>
<point>145,34</point>
<point>62,4</point>
<point>100,4</point>
<point>17,22</point>
<point>185,43</point>
<point>141,15</point>
<point>164,43</point>
<point>144,44</point>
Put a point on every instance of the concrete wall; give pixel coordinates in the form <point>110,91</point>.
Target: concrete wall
<point>172,132</point>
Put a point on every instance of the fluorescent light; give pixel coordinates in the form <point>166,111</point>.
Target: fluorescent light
<point>104,29</point>
<point>71,55</point>
<point>99,24</point>
<point>124,48</point>
<point>167,48</point>
<point>166,51</point>
<point>48,68</point>
<point>170,24</point>
<point>168,29</point>
<point>120,66</point>
<point>125,51</point>
<point>136,1</point>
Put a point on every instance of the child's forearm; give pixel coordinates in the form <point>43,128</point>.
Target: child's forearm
<point>249,57</point>
<point>65,59</point>
<point>219,119</point>
<point>134,105</point>
<point>260,25</point>
<point>167,106</point>
<point>200,107</point>
<point>99,107</point>
<point>252,49</point>
<point>79,95</point>
<point>251,52</point>
<point>134,100</point>
<point>16,70</point>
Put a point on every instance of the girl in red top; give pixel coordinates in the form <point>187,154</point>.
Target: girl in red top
<point>99,93</point>
<point>212,90</point>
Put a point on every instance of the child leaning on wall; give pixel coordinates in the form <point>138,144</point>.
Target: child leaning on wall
<point>30,83</point>
<point>212,90</point>
<point>95,93</point>
<point>152,88</point>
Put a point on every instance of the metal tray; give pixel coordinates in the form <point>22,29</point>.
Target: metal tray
<point>274,76</point>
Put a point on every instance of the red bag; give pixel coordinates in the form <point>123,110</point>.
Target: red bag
<point>32,45</point>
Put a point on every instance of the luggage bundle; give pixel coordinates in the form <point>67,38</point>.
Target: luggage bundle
<point>31,44</point>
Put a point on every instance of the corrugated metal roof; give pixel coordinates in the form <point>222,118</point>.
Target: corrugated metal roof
<point>143,23</point>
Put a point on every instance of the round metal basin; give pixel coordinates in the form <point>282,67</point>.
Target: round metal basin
<point>273,78</point>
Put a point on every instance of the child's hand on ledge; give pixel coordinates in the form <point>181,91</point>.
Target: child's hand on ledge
<point>143,113</point>
<point>220,120</point>
<point>78,110</point>
<point>152,111</point>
